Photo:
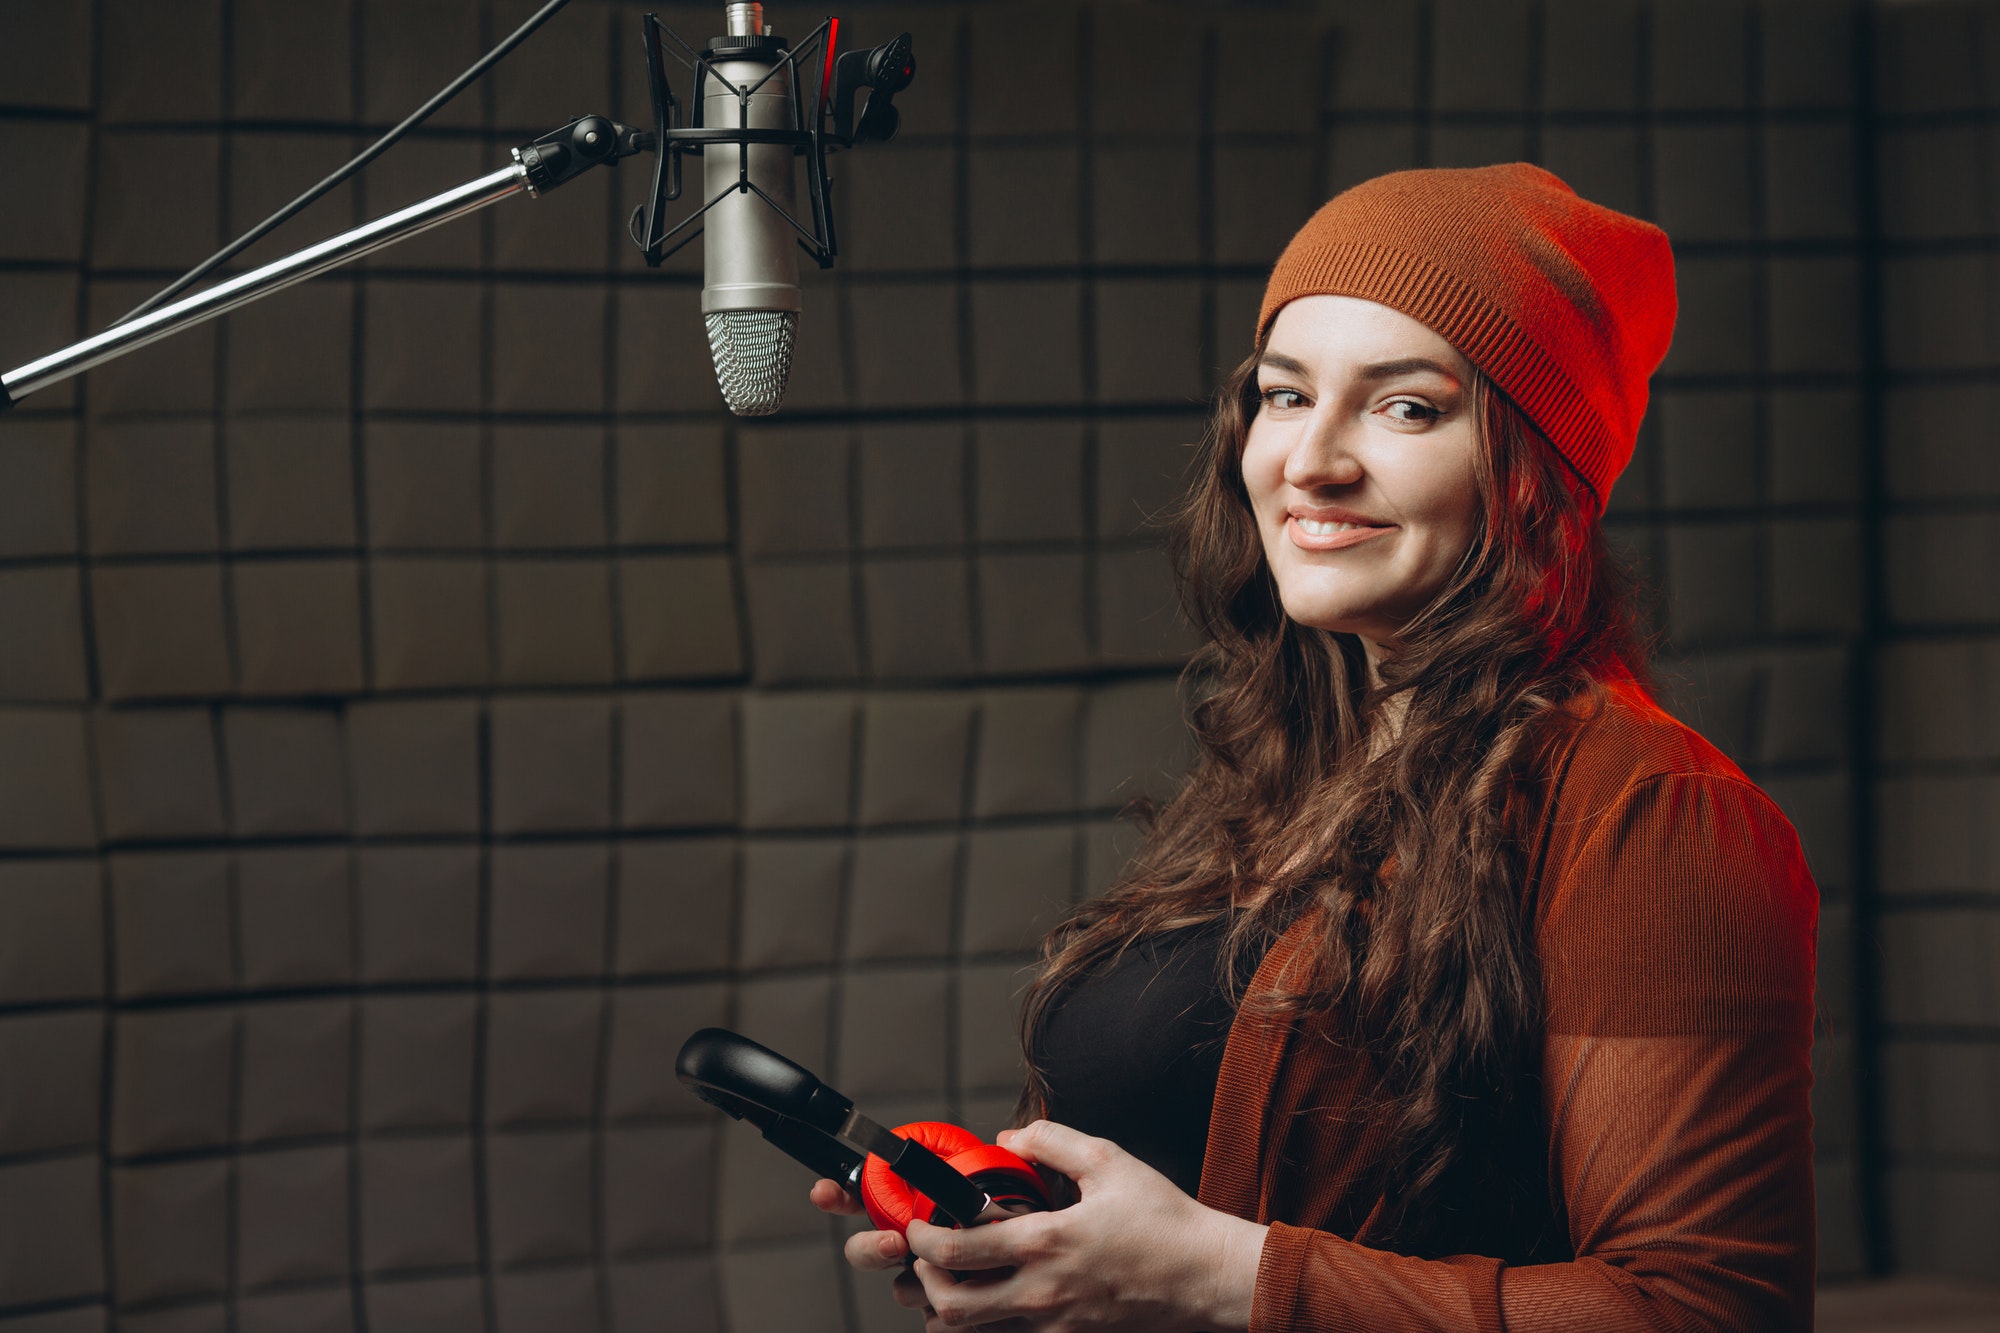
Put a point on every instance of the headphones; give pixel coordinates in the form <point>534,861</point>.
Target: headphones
<point>925,1170</point>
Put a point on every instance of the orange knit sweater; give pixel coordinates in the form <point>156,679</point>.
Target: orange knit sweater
<point>1674,921</point>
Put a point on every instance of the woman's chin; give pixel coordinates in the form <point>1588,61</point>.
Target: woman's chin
<point>1334,619</point>
<point>1379,633</point>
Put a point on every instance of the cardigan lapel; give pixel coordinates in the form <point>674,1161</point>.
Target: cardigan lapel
<point>1291,1136</point>
<point>1232,1163</point>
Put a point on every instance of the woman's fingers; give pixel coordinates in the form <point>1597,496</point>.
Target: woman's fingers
<point>997,1245</point>
<point>909,1292</point>
<point>829,1197</point>
<point>873,1251</point>
<point>869,1251</point>
<point>1066,1151</point>
<point>958,1299</point>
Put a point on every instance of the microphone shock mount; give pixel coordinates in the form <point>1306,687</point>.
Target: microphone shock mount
<point>882,71</point>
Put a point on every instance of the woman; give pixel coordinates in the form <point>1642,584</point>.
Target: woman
<point>1515,971</point>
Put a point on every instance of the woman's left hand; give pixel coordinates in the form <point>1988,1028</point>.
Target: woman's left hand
<point>1133,1253</point>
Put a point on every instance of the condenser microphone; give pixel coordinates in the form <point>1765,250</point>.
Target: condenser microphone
<point>750,281</point>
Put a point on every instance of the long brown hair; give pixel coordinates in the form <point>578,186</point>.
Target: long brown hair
<point>1410,847</point>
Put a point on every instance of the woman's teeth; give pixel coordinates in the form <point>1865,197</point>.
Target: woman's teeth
<point>1327,529</point>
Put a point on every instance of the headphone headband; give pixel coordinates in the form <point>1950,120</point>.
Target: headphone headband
<point>812,1123</point>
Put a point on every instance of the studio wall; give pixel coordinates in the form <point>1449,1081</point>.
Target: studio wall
<point>421,705</point>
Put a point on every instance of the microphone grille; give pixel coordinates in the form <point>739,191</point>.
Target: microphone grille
<point>753,357</point>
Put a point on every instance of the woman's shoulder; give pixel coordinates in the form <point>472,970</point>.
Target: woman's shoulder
<point>1622,736</point>
<point>1663,862</point>
<point>1629,763</point>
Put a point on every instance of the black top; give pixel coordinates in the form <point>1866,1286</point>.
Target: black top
<point>1132,1052</point>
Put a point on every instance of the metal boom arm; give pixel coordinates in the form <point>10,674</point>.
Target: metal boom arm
<point>247,287</point>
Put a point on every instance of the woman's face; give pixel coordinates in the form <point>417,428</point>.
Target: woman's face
<point>1360,465</point>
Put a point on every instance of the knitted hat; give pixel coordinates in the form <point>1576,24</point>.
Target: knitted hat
<point>1566,305</point>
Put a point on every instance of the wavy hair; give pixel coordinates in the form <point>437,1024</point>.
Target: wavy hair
<point>1394,811</point>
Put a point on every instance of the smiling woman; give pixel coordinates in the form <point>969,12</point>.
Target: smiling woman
<point>1459,987</point>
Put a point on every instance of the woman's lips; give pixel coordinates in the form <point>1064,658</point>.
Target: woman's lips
<point>1338,540</point>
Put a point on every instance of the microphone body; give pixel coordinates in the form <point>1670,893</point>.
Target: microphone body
<point>750,288</point>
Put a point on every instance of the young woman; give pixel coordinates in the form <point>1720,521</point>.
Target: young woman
<point>1459,987</point>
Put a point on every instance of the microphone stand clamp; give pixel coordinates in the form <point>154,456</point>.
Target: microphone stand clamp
<point>561,155</point>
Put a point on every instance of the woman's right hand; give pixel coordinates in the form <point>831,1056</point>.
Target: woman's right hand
<point>872,1251</point>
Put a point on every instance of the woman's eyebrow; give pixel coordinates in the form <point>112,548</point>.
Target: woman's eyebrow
<point>1409,365</point>
<point>1381,370</point>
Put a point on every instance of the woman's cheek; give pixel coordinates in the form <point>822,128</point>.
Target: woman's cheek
<point>1263,480</point>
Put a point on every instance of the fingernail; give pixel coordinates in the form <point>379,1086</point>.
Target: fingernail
<point>889,1247</point>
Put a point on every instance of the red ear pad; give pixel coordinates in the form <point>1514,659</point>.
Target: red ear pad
<point>1006,1178</point>
<point>889,1199</point>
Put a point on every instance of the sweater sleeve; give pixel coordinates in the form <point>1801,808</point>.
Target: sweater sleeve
<point>1676,944</point>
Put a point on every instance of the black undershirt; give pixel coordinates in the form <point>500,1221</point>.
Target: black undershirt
<point>1132,1052</point>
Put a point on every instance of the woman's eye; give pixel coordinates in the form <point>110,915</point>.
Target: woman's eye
<point>1410,411</point>
<point>1283,398</point>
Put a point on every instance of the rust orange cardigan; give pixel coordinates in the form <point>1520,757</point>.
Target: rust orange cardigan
<point>1674,921</point>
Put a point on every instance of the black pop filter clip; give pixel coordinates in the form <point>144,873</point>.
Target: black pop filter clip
<point>815,1125</point>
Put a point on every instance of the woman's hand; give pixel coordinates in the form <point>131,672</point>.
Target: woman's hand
<point>871,1251</point>
<point>1133,1253</point>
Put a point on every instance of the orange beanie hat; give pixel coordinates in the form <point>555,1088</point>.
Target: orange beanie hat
<point>1566,305</point>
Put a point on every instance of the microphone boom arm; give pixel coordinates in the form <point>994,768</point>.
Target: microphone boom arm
<point>538,167</point>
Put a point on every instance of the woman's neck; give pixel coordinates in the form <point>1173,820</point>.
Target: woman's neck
<point>1389,719</point>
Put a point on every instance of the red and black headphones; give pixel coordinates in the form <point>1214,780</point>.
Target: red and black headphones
<point>928,1170</point>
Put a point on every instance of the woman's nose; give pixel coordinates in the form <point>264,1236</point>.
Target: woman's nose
<point>1322,456</point>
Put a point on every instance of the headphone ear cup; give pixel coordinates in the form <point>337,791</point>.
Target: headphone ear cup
<point>889,1199</point>
<point>1007,1178</point>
